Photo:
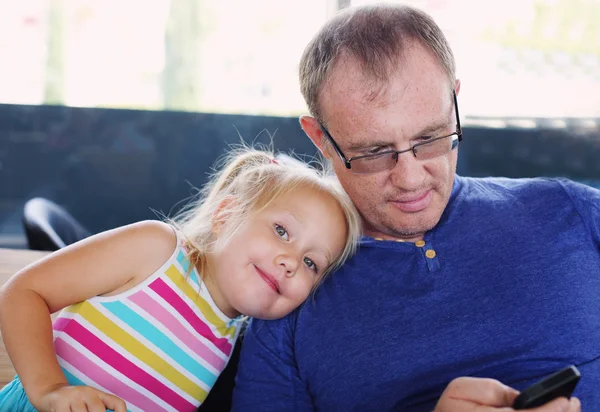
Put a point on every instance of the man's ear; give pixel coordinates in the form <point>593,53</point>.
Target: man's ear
<point>313,130</point>
<point>457,87</point>
<point>221,215</point>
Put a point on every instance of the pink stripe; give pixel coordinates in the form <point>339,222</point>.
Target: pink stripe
<point>125,366</point>
<point>174,325</point>
<point>103,378</point>
<point>173,299</point>
<point>60,323</point>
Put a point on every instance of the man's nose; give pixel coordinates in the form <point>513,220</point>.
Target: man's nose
<point>408,172</point>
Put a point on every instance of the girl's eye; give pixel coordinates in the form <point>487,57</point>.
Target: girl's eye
<point>281,232</point>
<point>310,264</point>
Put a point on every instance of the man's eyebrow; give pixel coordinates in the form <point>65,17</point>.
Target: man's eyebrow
<point>357,147</point>
<point>440,124</point>
<point>427,130</point>
<point>432,128</point>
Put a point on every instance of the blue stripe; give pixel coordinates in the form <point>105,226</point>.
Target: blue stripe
<point>74,381</point>
<point>160,340</point>
<point>183,261</point>
<point>185,264</point>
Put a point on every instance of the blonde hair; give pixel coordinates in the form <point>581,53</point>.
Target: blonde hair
<point>375,36</point>
<point>249,182</point>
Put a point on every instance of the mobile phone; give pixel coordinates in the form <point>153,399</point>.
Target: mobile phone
<point>561,383</point>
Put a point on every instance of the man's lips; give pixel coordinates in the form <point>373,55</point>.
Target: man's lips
<point>269,280</point>
<point>412,204</point>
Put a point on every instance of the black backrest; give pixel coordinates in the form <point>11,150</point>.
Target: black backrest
<point>50,227</point>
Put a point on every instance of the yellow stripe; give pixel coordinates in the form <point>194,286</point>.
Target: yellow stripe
<point>74,308</point>
<point>137,349</point>
<point>180,281</point>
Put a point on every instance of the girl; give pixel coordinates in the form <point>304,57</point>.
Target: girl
<point>152,310</point>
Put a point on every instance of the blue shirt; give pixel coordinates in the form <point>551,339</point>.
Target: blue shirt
<point>507,286</point>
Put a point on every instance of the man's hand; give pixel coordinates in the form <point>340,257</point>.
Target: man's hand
<point>64,398</point>
<point>488,395</point>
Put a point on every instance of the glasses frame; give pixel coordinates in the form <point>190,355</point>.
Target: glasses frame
<point>396,153</point>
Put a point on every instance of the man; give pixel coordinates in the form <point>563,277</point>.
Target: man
<point>487,278</point>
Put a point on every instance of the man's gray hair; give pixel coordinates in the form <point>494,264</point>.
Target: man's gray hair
<point>374,36</point>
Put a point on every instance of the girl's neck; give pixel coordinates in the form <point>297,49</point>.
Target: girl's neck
<point>216,294</point>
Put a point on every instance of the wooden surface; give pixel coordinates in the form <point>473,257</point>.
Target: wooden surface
<point>11,261</point>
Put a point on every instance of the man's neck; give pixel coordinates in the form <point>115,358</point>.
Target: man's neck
<point>413,237</point>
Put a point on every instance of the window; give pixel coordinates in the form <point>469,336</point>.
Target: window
<point>226,56</point>
<point>523,58</point>
<point>519,58</point>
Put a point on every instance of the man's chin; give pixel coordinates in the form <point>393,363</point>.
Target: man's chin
<point>413,229</point>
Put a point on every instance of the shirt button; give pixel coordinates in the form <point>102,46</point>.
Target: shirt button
<point>420,243</point>
<point>430,253</point>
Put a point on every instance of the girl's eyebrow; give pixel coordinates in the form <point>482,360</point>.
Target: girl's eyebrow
<point>322,249</point>
<point>293,215</point>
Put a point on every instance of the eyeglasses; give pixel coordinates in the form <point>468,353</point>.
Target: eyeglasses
<point>388,159</point>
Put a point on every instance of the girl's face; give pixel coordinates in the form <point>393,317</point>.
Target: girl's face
<point>269,267</point>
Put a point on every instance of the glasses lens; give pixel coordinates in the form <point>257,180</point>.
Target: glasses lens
<point>438,147</point>
<point>375,163</point>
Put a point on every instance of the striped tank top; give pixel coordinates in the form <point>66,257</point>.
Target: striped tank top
<point>159,346</point>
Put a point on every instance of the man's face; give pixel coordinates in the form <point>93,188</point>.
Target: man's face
<point>416,104</point>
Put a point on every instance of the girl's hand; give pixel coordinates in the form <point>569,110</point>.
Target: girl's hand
<point>65,398</point>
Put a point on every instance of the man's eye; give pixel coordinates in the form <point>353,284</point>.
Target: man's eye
<point>425,138</point>
<point>376,150</point>
<point>310,264</point>
<point>281,232</point>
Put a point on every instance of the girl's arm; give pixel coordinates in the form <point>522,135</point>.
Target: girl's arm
<point>104,264</point>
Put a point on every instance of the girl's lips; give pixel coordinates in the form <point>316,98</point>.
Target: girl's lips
<point>414,205</point>
<point>269,280</point>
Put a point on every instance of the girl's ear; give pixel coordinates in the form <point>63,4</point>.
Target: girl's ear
<point>223,212</point>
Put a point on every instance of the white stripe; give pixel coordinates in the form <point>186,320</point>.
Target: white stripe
<point>158,325</point>
<point>91,383</point>
<point>202,291</point>
<point>196,310</point>
<point>142,365</point>
<point>110,370</point>
<point>160,301</point>
<point>66,314</point>
<point>163,380</point>
<point>100,335</point>
<point>148,344</point>
<point>183,271</point>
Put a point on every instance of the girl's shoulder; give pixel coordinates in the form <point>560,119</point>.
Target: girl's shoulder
<point>156,240</point>
<point>152,239</point>
<point>147,246</point>
<point>155,234</point>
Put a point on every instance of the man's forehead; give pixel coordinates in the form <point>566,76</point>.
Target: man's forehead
<point>412,109</point>
<point>349,95</point>
<point>349,80</point>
